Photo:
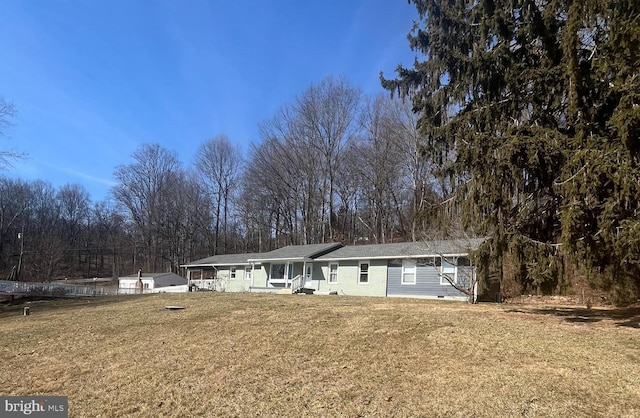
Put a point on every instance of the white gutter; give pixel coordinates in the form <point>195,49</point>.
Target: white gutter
<point>390,257</point>
<point>244,263</point>
<point>271,260</point>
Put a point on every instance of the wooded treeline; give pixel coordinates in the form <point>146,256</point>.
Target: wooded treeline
<point>333,165</point>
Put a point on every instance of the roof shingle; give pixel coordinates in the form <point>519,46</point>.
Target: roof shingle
<point>404,249</point>
<point>292,252</point>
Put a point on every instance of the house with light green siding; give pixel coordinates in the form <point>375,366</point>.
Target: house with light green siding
<point>223,273</point>
<point>361,277</point>
<point>428,269</point>
<point>432,269</point>
<point>258,272</point>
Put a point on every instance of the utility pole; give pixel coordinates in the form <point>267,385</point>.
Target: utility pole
<point>21,238</point>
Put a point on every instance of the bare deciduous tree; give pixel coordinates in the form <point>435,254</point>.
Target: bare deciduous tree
<point>328,114</point>
<point>296,167</point>
<point>111,237</point>
<point>381,161</point>
<point>7,112</point>
<point>145,188</point>
<point>15,196</point>
<point>460,271</point>
<point>218,164</point>
<point>42,234</point>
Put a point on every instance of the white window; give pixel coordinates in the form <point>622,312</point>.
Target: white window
<point>247,273</point>
<point>333,272</point>
<point>408,272</point>
<point>363,276</point>
<point>447,272</point>
<point>233,273</point>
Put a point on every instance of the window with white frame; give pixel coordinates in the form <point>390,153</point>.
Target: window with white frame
<point>363,274</point>
<point>232,273</point>
<point>447,271</point>
<point>333,272</point>
<point>247,272</point>
<point>408,272</point>
<point>277,272</point>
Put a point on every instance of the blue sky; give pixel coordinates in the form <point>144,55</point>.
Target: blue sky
<point>92,80</point>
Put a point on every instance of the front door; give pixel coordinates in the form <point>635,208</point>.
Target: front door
<point>308,275</point>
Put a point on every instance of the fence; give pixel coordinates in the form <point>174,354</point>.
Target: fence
<point>51,289</point>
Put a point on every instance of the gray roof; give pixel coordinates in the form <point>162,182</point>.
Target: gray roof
<point>404,249</point>
<point>224,260</point>
<point>297,252</point>
<point>291,252</point>
<point>335,251</point>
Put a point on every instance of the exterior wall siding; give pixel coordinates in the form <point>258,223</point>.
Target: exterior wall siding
<point>464,275</point>
<point>233,285</point>
<point>427,284</point>
<point>131,283</point>
<point>260,272</point>
<point>297,269</point>
<point>348,272</point>
<point>182,288</point>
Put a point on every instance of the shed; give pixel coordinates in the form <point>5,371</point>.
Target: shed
<point>153,283</point>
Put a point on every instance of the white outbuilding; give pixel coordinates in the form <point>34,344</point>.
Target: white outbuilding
<point>152,283</point>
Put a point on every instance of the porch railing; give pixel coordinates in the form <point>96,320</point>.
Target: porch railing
<point>297,283</point>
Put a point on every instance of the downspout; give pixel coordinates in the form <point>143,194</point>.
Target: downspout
<point>386,284</point>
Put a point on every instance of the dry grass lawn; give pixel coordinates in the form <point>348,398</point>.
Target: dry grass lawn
<point>253,355</point>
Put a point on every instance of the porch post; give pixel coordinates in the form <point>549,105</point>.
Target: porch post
<point>287,266</point>
<point>253,274</point>
<point>304,273</point>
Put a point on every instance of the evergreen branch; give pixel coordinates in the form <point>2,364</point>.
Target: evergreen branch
<point>593,52</point>
<point>535,241</point>
<point>570,178</point>
<point>492,104</point>
<point>454,194</point>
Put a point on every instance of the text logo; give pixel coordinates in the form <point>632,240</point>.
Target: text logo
<point>34,406</point>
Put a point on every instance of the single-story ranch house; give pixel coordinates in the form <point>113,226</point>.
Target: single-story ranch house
<point>410,269</point>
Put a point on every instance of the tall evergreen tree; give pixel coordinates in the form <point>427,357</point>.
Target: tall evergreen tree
<point>538,101</point>
<point>601,179</point>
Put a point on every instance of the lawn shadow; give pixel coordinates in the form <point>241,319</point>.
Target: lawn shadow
<point>622,317</point>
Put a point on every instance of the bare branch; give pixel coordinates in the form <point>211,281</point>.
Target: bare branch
<point>7,113</point>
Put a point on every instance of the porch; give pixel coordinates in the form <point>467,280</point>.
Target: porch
<point>287,274</point>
